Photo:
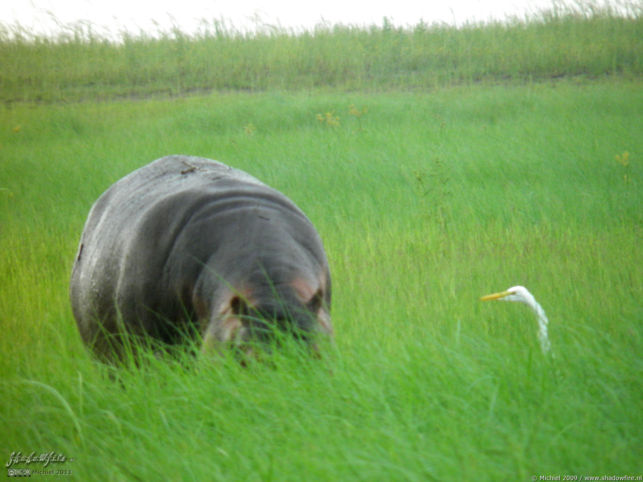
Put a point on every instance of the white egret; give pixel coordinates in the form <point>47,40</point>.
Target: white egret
<point>522,295</point>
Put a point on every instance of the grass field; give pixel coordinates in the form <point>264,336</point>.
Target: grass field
<point>573,39</point>
<point>425,200</point>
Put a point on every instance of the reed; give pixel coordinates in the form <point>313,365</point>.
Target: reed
<point>580,40</point>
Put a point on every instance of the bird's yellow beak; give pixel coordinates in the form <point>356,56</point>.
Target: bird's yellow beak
<point>496,296</point>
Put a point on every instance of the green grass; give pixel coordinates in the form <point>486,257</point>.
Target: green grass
<point>425,201</point>
<point>581,39</point>
<point>438,165</point>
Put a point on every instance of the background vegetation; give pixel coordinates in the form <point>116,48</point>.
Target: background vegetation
<point>428,189</point>
<point>566,41</point>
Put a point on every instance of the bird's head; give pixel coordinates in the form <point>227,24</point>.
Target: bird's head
<point>522,295</point>
<point>515,293</point>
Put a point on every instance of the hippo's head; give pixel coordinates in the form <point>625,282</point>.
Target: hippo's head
<point>266,305</point>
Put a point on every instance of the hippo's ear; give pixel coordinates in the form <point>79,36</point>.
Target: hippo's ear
<point>239,306</point>
<point>315,302</point>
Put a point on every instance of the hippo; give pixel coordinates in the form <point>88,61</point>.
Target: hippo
<point>188,246</point>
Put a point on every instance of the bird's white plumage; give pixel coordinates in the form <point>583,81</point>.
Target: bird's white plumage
<point>521,294</point>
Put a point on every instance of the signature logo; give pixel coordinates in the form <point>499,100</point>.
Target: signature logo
<point>44,459</point>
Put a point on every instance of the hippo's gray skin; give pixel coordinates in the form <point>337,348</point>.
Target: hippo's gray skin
<point>187,245</point>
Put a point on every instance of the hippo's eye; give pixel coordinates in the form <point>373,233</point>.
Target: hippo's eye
<point>314,304</point>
